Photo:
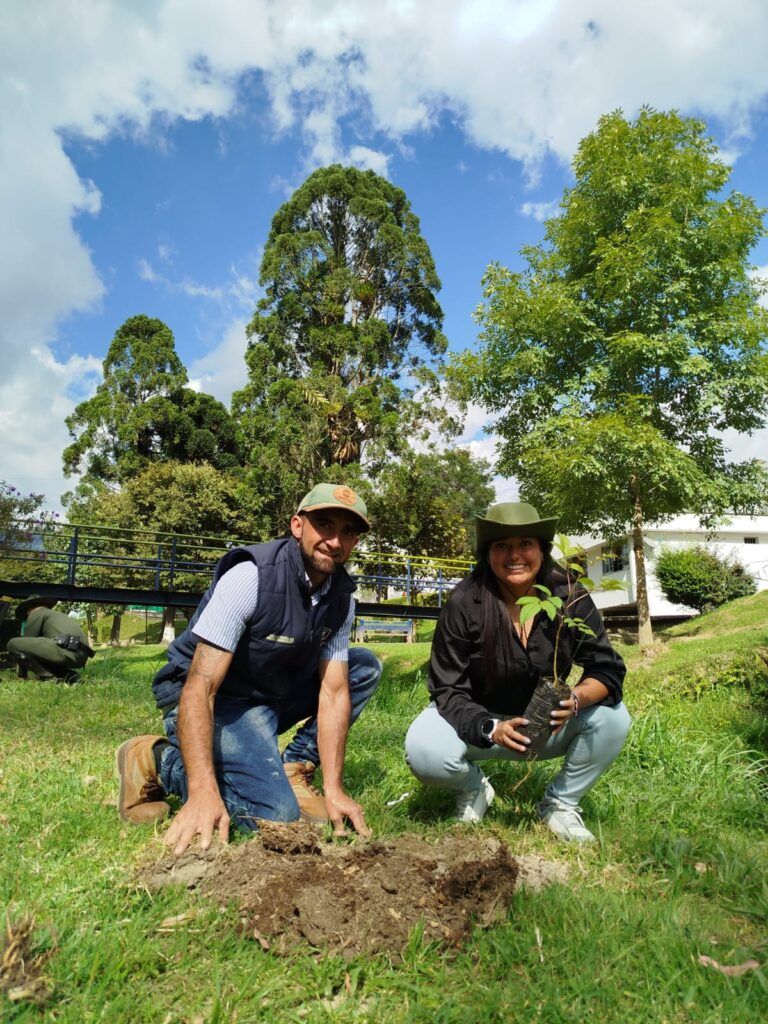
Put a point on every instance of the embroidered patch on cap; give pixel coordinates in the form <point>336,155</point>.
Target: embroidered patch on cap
<point>345,495</point>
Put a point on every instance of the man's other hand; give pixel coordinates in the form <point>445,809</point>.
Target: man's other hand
<point>341,806</point>
<point>201,815</point>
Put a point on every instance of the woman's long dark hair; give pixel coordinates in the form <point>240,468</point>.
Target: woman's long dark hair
<point>497,635</point>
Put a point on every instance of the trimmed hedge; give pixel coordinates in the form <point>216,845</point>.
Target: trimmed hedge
<point>698,578</point>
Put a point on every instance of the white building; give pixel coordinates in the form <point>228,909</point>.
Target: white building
<point>743,537</point>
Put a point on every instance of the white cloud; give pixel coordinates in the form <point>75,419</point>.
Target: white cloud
<point>32,412</point>
<point>242,289</point>
<point>541,211</point>
<point>523,78</point>
<point>166,252</point>
<point>369,159</point>
<point>482,448</point>
<point>507,488</point>
<point>147,273</point>
<point>222,370</point>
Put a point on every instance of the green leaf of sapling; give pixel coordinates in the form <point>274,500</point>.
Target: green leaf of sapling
<point>528,613</point>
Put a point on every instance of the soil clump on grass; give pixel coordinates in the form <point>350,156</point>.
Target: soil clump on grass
<point>288,884</point>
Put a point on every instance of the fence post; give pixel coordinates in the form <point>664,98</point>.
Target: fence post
<point>440,587</point>
<point>173,562</point>
<point>408,577</point>
<point>72,557</point>
<point>157,567</point>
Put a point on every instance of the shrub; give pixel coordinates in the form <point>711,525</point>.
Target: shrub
<point>697,577</point>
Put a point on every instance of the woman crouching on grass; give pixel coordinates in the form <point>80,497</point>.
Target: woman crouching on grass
<point>485,664</point>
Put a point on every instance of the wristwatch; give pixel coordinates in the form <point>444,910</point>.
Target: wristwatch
<point>487,729</point>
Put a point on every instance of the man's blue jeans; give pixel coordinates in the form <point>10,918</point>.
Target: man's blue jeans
<point>248,765</point>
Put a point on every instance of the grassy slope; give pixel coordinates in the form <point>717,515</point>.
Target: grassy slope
<point>680,868</point>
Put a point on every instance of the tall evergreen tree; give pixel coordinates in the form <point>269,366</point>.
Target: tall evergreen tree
<point>348,331</point>
<point>144,412</point>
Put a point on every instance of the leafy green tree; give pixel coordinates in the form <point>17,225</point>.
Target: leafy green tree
<point>25,529</point>
<point>631,338</point>
<point>194,499</point>
<point>347,332</point>
<point>698,578</point>
<point>144,412</point>
<point>425,504</point>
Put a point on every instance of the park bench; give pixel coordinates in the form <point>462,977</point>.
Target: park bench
<point>368,629</point>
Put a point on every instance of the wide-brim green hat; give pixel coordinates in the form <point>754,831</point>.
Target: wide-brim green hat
<point>511,519</point>
<point>336,496</point>
<point>36,601</point>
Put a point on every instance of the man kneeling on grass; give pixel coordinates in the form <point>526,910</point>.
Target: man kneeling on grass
<point>267,648</point>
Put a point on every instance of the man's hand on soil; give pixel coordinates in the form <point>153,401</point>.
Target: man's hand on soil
<point>200,816</point>
<point>341,806</point>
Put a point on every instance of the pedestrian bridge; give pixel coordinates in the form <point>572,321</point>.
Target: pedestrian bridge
<point>111,565</point>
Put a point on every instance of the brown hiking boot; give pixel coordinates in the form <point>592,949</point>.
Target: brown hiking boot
<point>141,795</point>
<point>310,800</point>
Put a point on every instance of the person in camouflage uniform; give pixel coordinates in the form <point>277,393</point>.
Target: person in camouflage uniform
<point>52,645</point>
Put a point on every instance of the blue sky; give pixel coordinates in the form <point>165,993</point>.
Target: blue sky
<point>147,145</point>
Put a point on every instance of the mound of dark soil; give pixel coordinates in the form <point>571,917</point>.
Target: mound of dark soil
<point>366,897</point>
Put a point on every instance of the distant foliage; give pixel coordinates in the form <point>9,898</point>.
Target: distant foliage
<point>24,527</point>
<point>698,578</point>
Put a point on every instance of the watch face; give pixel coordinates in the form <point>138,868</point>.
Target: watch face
<point>487,727</point>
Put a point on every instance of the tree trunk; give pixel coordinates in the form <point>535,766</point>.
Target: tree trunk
<point>114,636</point>
<point>169,626</point>
<point>644,631</point>
<point>91,625</point>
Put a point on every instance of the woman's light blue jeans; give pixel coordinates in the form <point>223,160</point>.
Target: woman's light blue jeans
<point>590,743</point>
<point>246,756</point>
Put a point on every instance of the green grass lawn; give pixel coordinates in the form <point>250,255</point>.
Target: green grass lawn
<point>680,868</point>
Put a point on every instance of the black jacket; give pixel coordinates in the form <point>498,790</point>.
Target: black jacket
<point>457,681</point>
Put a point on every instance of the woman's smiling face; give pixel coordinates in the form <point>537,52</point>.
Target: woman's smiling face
<point>516,561</point>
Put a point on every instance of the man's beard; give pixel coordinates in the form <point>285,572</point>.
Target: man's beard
<point>320,563</point>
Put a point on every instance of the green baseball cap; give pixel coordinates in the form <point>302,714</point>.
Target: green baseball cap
<point>335,496</point>
<point>511,519</point>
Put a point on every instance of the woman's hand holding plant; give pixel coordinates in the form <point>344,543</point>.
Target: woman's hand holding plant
<point>506,735</point>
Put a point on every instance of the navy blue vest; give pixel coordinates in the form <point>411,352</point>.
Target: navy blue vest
<point>276,661</point>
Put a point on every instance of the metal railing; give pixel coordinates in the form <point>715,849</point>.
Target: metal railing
<point>115,559</point>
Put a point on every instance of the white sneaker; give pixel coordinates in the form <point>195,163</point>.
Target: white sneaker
<point>564,820</point>
<point>471,804</point>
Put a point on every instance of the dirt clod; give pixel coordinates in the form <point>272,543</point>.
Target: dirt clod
<point>363,898</point>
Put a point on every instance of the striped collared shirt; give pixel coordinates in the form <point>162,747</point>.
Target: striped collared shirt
<point>234,601</point>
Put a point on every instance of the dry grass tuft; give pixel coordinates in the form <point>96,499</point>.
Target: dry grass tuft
<point>22,963</point>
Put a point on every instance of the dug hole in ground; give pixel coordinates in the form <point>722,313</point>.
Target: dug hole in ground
<point>288,885</point>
